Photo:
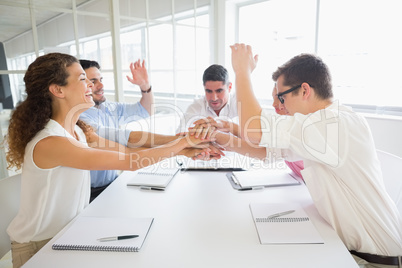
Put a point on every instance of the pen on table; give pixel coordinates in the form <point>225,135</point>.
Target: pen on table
<point>152,188</point>
<point>251,188</point>
<point>280,214</point>
<point>235,179</point>
<point>113,238</point>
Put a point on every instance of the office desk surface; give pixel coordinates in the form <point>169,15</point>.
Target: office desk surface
<point>201,221</point>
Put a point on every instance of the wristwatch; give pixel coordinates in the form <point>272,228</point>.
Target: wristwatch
<point>147,91</point>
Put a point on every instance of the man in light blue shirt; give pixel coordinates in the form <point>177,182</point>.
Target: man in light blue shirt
<point>107,117</point>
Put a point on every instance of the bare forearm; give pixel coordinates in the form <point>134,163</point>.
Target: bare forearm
<point>249,109</point>
<point>147,100</point>
<point>137,158</point>
<point>104,154</point>
<point>238,145</point>
<point>151,156</point>
<point>148,139</point>
<point>234,129</point>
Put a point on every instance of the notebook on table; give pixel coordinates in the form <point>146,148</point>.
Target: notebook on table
<point>261,178</point>
<point>86,232</point>
<point>157,176</point>
<point>284,223</point>
<point>230,162</point>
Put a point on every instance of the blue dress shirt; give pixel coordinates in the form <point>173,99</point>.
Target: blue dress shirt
<point>106,120</point>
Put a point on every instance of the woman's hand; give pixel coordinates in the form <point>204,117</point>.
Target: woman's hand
<point>205,128</point>
<point>205,152</point>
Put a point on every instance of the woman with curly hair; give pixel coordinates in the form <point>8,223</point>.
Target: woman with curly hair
<point>56,152</point>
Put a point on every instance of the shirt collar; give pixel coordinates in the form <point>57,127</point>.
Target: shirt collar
<point>227,105</point>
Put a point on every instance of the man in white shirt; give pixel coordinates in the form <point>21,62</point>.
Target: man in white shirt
<point>218,102</point>
<point>342,171</point>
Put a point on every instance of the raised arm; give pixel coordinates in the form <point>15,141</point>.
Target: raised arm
<point>244,62</point>
<point>140,77</point>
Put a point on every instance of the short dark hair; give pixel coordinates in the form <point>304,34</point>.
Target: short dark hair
<point>306,68</point>
<point>216,72</point>
<point>89,63</point>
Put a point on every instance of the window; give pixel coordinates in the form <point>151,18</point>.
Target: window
<point>173,37</point>
<point>359,40</point>
<point>284,32</point>
<point>179,52</point>
<point>363,50</point>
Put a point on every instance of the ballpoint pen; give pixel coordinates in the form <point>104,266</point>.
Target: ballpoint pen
<point>113,238</point>
<point>280,214</point>
<point>235,179</point>
<point>152,188</point>
<point>251,188</point>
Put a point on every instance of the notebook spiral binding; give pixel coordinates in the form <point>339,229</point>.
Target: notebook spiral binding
<point>301,219</point>
<point>95,248</point>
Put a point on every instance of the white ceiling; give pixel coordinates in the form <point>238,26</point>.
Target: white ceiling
<point>15,16</point>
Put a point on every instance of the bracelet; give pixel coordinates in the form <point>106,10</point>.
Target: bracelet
<point>147,91</point>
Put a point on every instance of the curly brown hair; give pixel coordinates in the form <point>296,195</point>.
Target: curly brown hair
<point>32,115</point>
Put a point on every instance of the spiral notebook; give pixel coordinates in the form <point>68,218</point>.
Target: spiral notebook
<point>158,175</point>
<point>85,232</point>
<point>293,227</point>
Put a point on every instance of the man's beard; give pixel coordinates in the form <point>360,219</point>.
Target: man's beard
<point>98,102</point>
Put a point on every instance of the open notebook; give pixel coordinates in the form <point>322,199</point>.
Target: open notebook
<point>85,232</point>
<point>157,176</point>
<point>294,227</point>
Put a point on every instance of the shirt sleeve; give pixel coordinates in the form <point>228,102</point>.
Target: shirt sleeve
<point>275,130</point>
<point>129,112</point>
<point>314,136</point>
<point>115,134</point>
<point>107,123</point>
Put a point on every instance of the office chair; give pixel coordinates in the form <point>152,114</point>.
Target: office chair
<point>392,175</point>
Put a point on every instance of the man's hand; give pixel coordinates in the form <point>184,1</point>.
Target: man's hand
<point>205,128</point>
<point>140,75</point>
<point>193,141</point>
<point>207,151</point>
<point>243,60</point>
<point>219,124</point>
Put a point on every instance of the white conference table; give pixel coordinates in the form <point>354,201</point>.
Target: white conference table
<point>200,221</point>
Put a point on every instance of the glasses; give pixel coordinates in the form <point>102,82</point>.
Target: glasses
<point>280,95</point>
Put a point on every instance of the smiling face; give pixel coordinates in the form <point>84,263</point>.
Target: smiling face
<point>95,76</point>
<point>217,94</point>
<point>79,88</point>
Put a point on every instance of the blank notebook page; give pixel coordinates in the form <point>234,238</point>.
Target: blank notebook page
<point>264,178</point>
<point>153,176</point>
<point>293,228</point>
<point>84,233</point>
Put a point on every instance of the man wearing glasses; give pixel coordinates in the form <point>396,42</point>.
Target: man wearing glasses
<point>341,168</point>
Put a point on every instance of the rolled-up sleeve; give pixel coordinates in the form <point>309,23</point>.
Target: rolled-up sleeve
<point>108,119</point>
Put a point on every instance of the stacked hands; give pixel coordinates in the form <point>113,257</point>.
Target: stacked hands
<point>201,138</point>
